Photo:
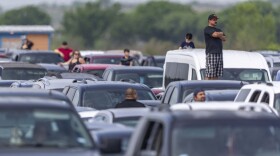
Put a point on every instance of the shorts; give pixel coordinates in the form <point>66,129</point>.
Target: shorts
<point>214,65</point>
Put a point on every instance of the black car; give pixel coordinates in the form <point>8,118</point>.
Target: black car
<point>206,133</point>
<point>31,56</point>
<point>21,71</point>
<point>42,127</point>
<point>104,95</point>
<point>150,76</point>
<point>176,91</point>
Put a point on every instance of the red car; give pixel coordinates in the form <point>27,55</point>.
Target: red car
<point>94,69</point>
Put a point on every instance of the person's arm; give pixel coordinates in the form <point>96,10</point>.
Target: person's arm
<point>220,35</point>
<point>192,45</point>
<point>60,53</point>
<point>65,63</point>
<point>82,61</point>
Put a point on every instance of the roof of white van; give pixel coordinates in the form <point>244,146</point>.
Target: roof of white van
<point>231,57</point>
<point>275,86</point>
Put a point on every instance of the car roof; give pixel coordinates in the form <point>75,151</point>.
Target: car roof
<point>105,55</point>
<point>33,103</point>
<point>35,52</point>
<point>20,65</point>
<point>134,68</point>
<point>49,66</point>
<point>275,86</point>
<point>243,58</point>
<point>204,83</point>
<point>111,84</point>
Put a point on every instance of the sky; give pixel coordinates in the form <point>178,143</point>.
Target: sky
<point>10,4</point>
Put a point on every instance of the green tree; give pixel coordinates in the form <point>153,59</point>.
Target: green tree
<point>91,22</point>
<point>249,26</point>
<point>29,15</point>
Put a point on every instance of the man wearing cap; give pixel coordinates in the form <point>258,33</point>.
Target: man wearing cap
<point>199,95</point>
<point>214,49</point>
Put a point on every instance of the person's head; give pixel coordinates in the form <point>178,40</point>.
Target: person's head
<point>199,95</point>
<point>76,54</point>
<point>64,44</point>
<point>212,20</point>
<point>40,131</point>
<point>131,93</point>
<point>189,36</point>
<point>126,52</point>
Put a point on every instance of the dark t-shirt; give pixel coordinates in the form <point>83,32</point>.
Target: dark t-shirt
<point>129,103</point>
<point>186,45</point>
<point>213,45</point>
<point>126,62</point>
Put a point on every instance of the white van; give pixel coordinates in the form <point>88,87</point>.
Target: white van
<point>189,64</point>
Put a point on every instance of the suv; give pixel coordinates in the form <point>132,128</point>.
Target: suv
<point>206,132</point>
<point>261,93</point>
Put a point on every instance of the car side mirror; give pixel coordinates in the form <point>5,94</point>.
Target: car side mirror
<point>110,146</point>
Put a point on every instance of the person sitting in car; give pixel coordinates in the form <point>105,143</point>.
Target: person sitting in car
<point>130,100</point>
<point>199,95</point>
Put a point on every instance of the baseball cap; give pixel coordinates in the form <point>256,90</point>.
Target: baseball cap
<point>212,16</point>
<point>196,91</point>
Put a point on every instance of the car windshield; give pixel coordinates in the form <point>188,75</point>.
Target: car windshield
<point>250,75</point>
<point>107,60</point>
<point>22,74</point>
<point>127,121</point>
<point>108,98</point>
<point>96,72</point>
<point>226,140</point>
<point>27,127</point>
<point>151,79</point>
<point>43,58</point>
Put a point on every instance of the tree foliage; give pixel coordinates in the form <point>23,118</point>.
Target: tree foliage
<point>29,15</point>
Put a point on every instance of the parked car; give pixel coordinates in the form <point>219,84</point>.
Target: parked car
<point>268,93</point>
<point>106,59</point>
<point>21,71</point>
<point>206,132</point>
<point>22,84</point>
<point>156,61</point>
<point>104,95</point>
<point>126,116</point>
<point>177,91</point>
<point>150,76</point>
<point>42,127</point>
<point>86,113</point>
<point>78,76</point>
<point>189,64</point>
<point>94,69</point>
<point>31,56</point>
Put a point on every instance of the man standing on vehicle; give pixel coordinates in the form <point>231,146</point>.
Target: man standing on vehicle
<point>214,49</point>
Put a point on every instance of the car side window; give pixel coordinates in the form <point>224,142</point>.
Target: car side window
<point>152,142</point>
<point>265,98</point>
<point>105,74</point>
<point>241,97</point>
<point>110,76</point>
<point>255,96</point>
<point>71,93</point>
<point>76,98</point>
<point>194,76</point>
<point>65,90</point>
<point>167,95</point>
<point>174,97</point>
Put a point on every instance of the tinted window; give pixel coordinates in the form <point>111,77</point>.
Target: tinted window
<point>194,76</point>
<point>96,72</point>
<point>108,98</point>
<point>41,128</point>
<point>242,95</point>
<point>277,102</point>
<point>265,98</point>
<point>175,72</point>
<point>255,96</point>
<point>250,75</point>
<point>238,140</point>
<point>22,74</point>
<point>41,58</point>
